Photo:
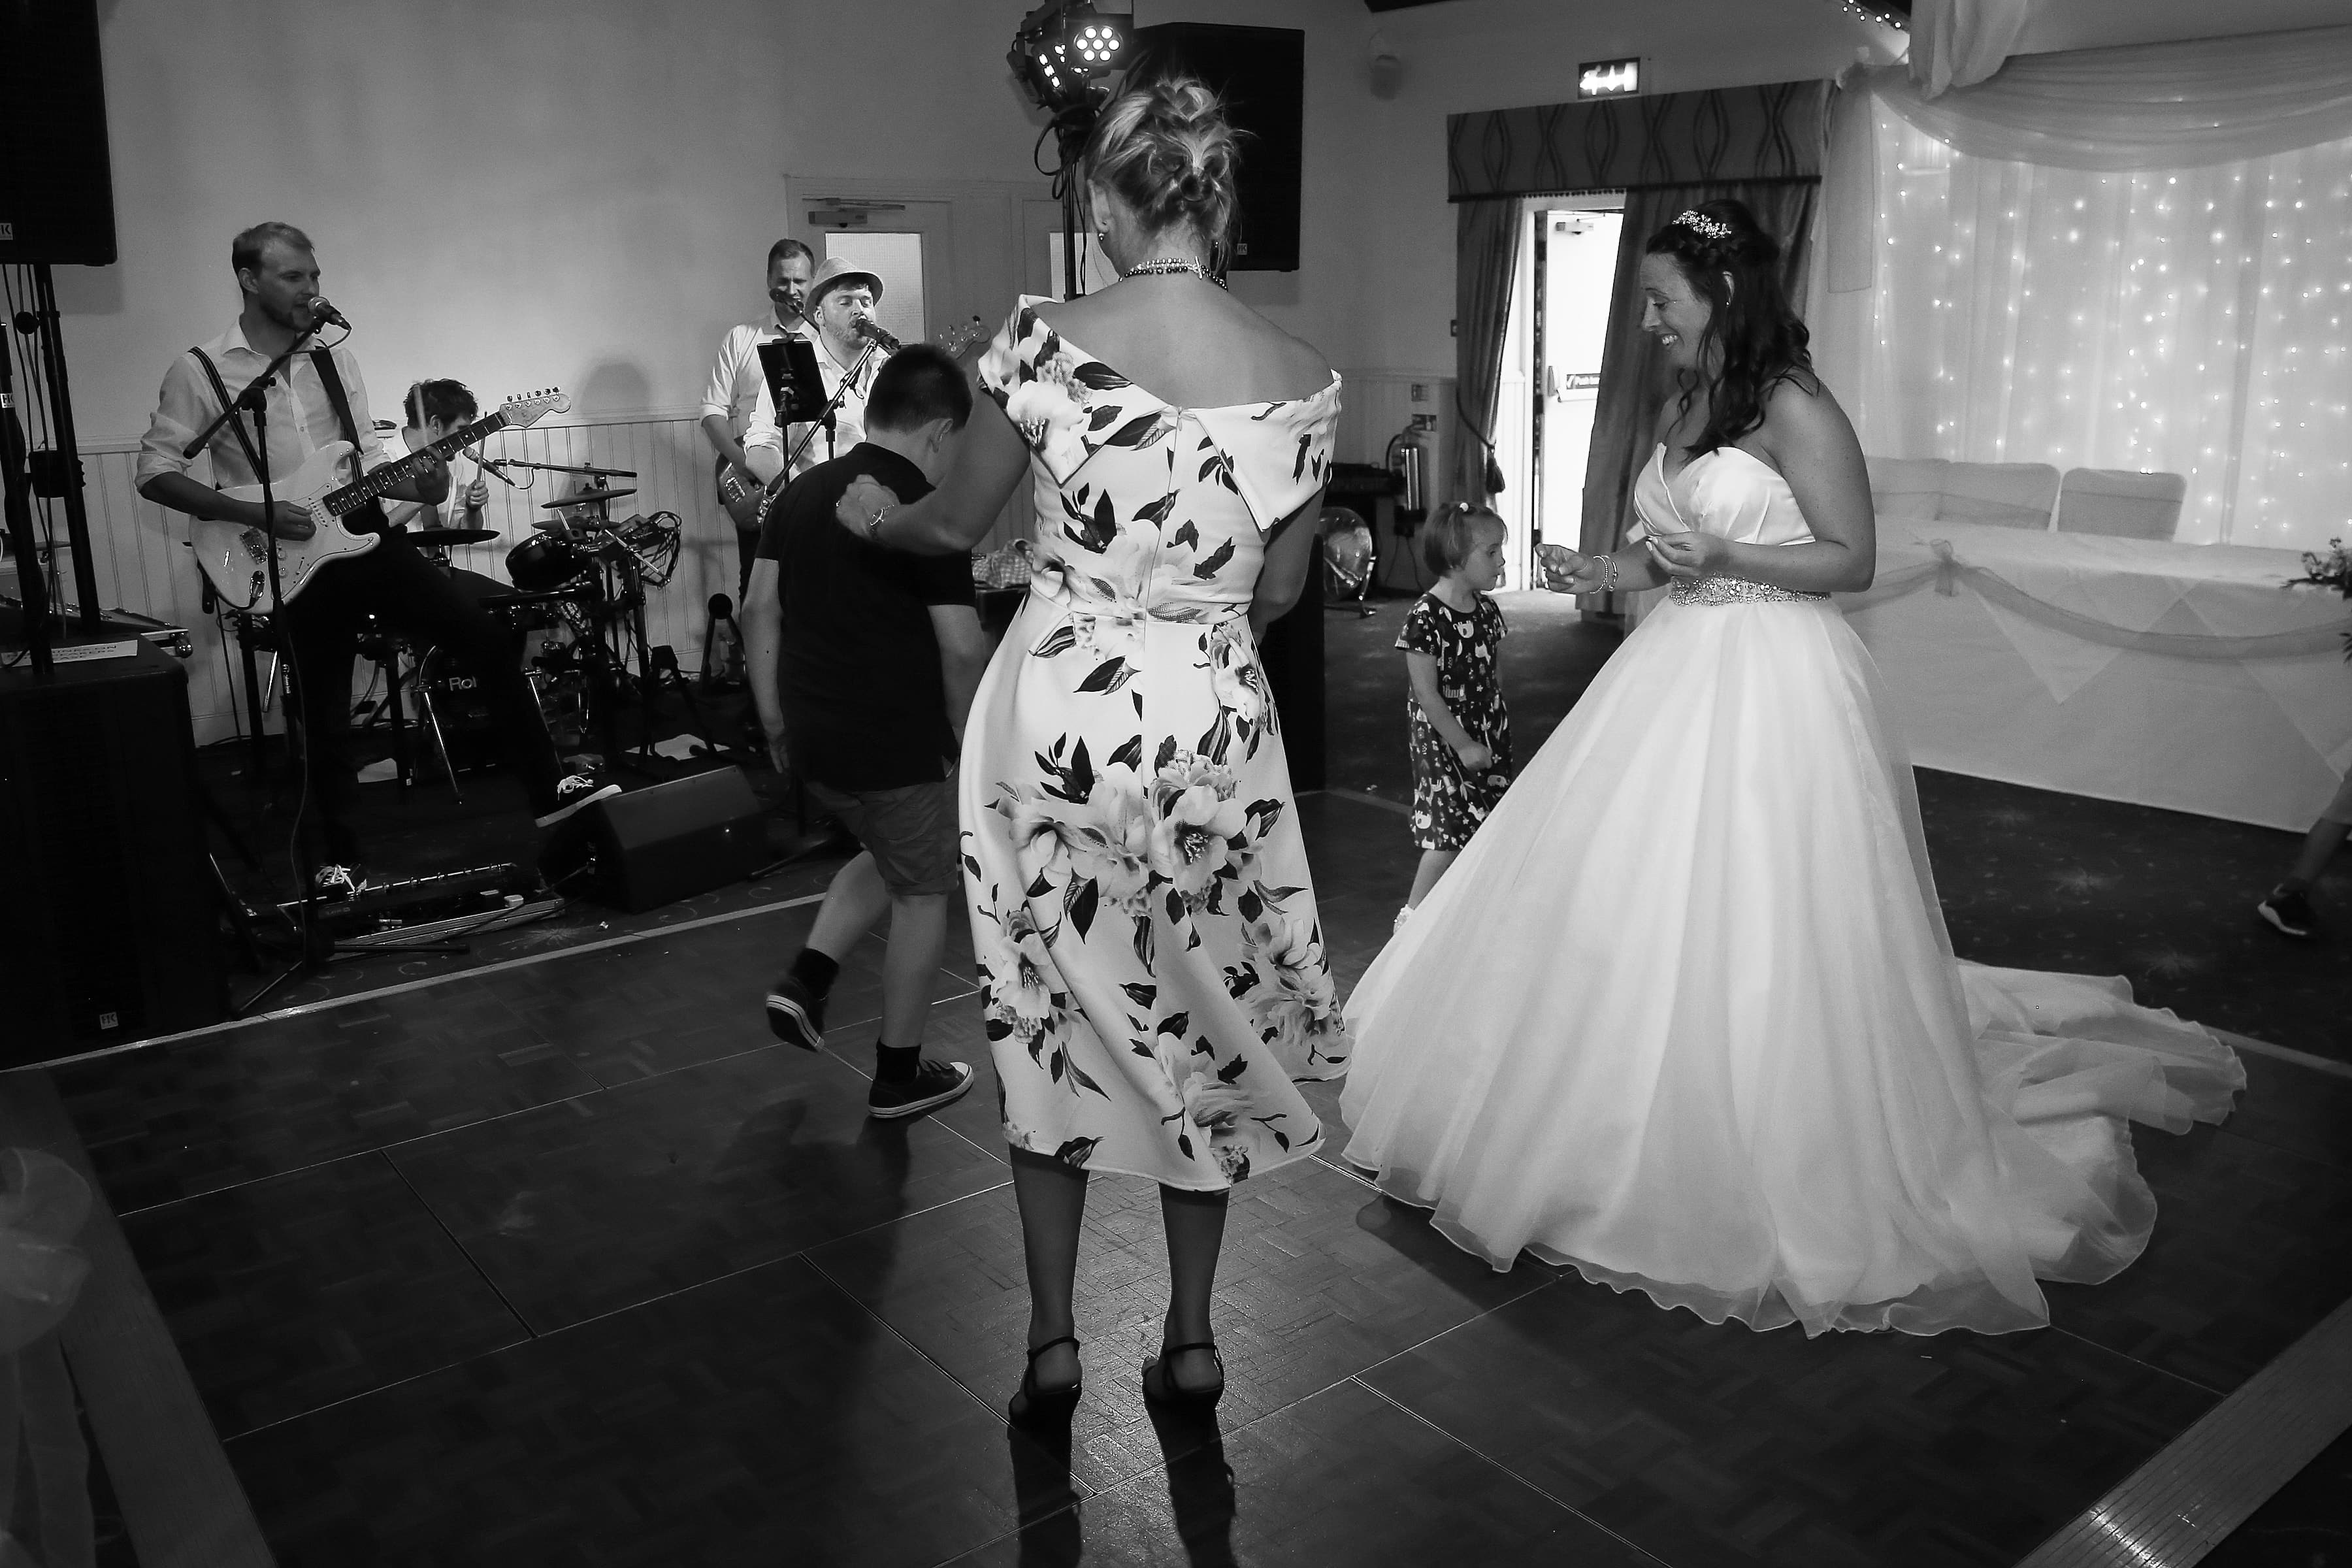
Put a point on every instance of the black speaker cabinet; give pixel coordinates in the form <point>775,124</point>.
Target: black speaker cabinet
<point>57,183</point>
<point>668,841</point>
<point>108,911</point>
<point>1261,73</point>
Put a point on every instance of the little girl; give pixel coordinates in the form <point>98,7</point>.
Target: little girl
<point>1461,731</point>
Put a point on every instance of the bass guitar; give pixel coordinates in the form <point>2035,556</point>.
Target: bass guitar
<point>235,557</point>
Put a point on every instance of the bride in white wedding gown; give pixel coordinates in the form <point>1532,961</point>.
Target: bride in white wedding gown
<point>1685,1015</point>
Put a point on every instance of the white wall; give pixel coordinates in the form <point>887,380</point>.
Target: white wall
<point>1492,54</point>
<point>519,194</point>
<point>580,192</point>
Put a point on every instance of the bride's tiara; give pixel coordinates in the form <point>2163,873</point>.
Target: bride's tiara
<point>1705,228</point>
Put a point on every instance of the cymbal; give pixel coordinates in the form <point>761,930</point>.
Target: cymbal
<point>443,536</point>
<point>592,497</point>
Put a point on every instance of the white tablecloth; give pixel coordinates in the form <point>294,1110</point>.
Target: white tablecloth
<point>2172,675</point>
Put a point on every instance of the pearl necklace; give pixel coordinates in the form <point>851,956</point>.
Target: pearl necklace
<point>1173,266</point>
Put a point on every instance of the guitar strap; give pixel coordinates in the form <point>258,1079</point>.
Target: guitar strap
<point>369,519</point>
<point>220,390</point>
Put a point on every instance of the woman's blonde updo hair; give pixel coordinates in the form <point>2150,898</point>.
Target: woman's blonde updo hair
<point>1165,147</point>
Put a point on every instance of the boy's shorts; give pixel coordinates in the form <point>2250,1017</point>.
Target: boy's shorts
<point>911,832</point>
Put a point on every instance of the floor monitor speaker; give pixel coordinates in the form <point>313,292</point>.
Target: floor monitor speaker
<point>57,181</point>
<point>109,907</point>
<point>1261,73</point>
<point>650,847</point>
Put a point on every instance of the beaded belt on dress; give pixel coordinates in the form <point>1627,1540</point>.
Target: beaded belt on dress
<point>1733,591</point>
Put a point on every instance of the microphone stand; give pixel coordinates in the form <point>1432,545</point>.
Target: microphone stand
<point>824,420</point>
<point>315,956</point>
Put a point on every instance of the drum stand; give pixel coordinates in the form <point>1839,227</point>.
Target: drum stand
<point>382,647</point>
<point>655,667</point>
<point>255,629</point>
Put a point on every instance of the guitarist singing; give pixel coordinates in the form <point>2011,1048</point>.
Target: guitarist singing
<point>319,399</point>
<point>735,380</point>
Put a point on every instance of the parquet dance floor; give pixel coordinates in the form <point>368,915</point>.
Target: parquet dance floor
<point>570,1263</point>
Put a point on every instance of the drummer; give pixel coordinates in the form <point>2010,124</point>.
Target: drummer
<point>434,409</point>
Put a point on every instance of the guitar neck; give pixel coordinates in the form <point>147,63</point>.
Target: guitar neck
<point>371,485</point>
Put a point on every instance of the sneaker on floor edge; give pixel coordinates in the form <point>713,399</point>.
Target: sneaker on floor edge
<point>573,793</point>
<point>796,1014</point>
<point>936,1084</point>
<point>2290,912</point>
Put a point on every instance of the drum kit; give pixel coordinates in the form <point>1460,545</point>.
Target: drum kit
<point>580,581</point>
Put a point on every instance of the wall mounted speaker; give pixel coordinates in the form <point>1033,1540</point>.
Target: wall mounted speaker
<point>57,181</point>
<point>1261,73</point>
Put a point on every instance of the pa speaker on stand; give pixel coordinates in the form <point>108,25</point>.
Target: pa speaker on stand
<point>57,183</point>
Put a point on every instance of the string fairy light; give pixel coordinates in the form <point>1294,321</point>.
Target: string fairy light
<point>2189,321</point>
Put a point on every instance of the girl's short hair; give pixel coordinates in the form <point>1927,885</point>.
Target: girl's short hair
<point>1449,537</point>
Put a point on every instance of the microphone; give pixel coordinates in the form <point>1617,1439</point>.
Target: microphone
<point>322,311</point>
<point>866,328</point>
<point>493,466</point>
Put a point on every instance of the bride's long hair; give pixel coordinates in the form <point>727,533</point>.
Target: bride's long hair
<point>1757,341</point>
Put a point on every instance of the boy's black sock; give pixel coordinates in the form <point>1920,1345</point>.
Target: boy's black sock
<point>815,970</point>
<point>896,1064</point>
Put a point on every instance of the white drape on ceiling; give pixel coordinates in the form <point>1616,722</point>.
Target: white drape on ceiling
<point>2122,258</point>
<point>1958,42</point>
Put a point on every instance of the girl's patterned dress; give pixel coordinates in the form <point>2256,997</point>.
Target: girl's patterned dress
<point>1143,919</point>
<point>1449,801</point>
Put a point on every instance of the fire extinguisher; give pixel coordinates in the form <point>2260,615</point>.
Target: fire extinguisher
<point>1409,454</point>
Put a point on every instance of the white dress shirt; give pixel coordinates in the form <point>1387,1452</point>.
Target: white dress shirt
<point>849,419</point>
<point>735,374</point>
<point>300,418</point>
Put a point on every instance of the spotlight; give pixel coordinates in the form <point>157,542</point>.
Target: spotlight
<point>1062,47</point>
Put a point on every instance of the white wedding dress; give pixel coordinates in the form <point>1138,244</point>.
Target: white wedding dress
<point>1685,1015</point>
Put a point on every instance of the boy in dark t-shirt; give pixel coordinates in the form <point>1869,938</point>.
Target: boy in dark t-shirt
<point>863,661</point>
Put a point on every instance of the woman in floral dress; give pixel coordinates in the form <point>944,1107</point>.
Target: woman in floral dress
<point>1143,919</point>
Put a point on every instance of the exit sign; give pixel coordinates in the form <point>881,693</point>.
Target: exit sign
<point>1608,79</point>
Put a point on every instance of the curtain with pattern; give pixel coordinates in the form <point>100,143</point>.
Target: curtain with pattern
<point>1667,151</point>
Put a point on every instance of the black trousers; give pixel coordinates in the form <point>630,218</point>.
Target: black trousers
<point>411,596</point>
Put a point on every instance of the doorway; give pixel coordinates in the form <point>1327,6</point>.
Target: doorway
<point>1551,366</point>
<point>909,246</point>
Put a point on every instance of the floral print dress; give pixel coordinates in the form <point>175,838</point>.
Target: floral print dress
<point>1449,800</point>
<point>1152,964</point>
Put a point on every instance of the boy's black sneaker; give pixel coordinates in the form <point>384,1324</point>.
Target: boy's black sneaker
<point>2290,912</point>
<point>796,1014</point>
<point>937,1084</point>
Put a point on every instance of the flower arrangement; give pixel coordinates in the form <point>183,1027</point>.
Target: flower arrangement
<point>2333,569</point>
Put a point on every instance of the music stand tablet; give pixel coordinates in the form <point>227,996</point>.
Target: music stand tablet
<point>793,385</point>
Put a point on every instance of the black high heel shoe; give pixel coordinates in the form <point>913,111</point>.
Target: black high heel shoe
<point>1033,1406</point>
<point>1161,1387</point>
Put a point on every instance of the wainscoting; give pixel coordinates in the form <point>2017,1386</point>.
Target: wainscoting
<point>143,564</point>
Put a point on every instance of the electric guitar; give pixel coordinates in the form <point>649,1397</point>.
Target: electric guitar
<point>739,493</point>
<point>235,557</point>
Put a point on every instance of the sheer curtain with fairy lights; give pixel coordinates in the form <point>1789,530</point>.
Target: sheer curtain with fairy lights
<point>2190,322</point>
<point>2182,320</point>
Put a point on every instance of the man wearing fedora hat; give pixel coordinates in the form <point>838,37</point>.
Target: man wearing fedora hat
<point>839,297</point>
